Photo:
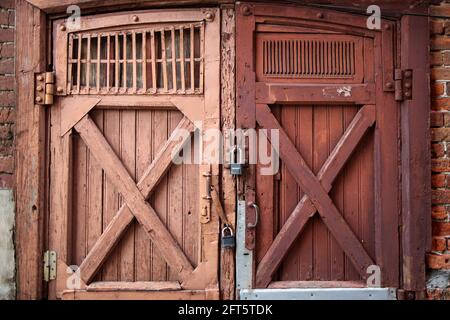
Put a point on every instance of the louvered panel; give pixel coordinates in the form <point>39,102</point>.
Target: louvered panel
<point>309,58</point>
<point>154,60</point>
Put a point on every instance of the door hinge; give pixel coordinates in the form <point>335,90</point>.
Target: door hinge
<point>44,88</point>
<point>49,265</point>
<point>403,84</point>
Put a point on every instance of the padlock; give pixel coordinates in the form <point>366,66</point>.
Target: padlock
<point>236,162</point>
<point>228,239</point>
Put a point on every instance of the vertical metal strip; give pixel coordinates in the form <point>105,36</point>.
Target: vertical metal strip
<point>244,257</point>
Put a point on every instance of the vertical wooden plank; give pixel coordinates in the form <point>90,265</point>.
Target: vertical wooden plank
<point>99,46</point>
<point>80,42</point>
<point>337,193</point>
<point>71,64</point>
<point>88,64</point>
<point>128,157</point>
<point>416,216</point>
<point>133,39</point>
<point>125,74</point>
<point>175,195</point>
<point>144,156</point>
<point>117,65</point>
<point>29,155</point>
<point>159,197</point>
<point>111,129</point>
<point>164,60</point>
<point>228,96</point>
<point>174,62</point>
<point>108,62</point>
<point>304,248</point>
<point>94,225</point>
<point>202,57</point>
<point>144,61</point>
<point>320,153</point>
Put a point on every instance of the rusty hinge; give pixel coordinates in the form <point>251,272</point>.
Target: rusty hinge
<point>403,84</point>
<point>44,88</point>
<point>49,265</point>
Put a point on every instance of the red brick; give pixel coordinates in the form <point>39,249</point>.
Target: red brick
<point>435,261</point>
<point>6,83</point>
<point>440,196</point>
<point>442,104</point>
<point>7,35</point>
<point>441,228</point>
<point>441,10</point>
<point>437,180</point>
<point>440,43</point>
<point>6,50</point>
<point>436,118</point>
<point>440,134</point>
<point>7,66</point>
<point>440,73</point>
<point>436,27</point>
<point>436,58</point>
<point>440,165</point>
<point>439,212</point>
<point>439,244</point>
<point>438,294</point>
<point>6,98</point>
<point>446,119</point>
<point>7,165</point>
<point>437,89</point>
<point>7,115</point>
<point>437,149</point>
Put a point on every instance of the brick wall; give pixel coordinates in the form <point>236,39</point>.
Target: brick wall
<point>439,260</point>
<point>7,99</point>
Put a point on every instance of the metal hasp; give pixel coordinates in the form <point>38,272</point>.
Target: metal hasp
<point>49,265</point>
<point>244,257</point>
<point>319,294</point>
<point>44,88</point>
<point>403,84</point>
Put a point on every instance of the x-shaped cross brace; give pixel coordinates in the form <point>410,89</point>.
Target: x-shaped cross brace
<point>135,196</point>
<point>316,196</point>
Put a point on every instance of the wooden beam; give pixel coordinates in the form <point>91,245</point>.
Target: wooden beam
<point>311,185</point>
<point>30,151</point>
<point>134,295</point>
<point>105,286</point>
<point>294,225</point>
<point>415,154</point>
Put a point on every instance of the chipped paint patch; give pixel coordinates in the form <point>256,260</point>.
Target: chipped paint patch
<point>344,91</point>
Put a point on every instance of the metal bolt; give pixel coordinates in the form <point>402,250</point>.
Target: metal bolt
<point>408,74</point>
<point>387,26</point>
<point>209,16</point>
<point>135,18</point>
<point>246,11</point>
<point>62,28</point>
<point>38,99</point>
<point>40,78</point>
<point>39,88</point>
<point>407,94</point>
<point>319,15</point>
<point>60,89</point>
<point>407,85</point>
<point>389,85</point>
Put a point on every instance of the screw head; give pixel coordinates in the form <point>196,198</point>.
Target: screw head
<point>389,85</point>
<point>387,26</point>
<point>62,28</point>
<point>40,78</point>
<point>407,94</point>
<point>319,15</point>
<point>408,74</point>
<point>135,18</point>
<point>39,88</point>
<point>209,16</point>
<point>59,89</point>
<point>38,99</point>
<point>407,85</point>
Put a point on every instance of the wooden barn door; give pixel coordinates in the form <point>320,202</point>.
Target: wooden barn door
<point>131,224</point>
<point>329,217</point>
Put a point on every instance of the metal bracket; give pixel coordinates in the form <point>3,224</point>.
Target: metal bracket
<point>244,257</point>
<point>403,84</point>
<point>44,88</point>
<point>205,215</point>
<point>49,265</point>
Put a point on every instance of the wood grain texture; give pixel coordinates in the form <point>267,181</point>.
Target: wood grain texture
<point>29,155</point>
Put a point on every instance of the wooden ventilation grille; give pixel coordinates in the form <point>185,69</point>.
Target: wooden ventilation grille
<point>309,57</point>
<point>165,60</point>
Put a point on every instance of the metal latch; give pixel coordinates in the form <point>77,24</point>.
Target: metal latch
<point>44,88</point>
<point>403,84</point>
<point>49,265</point>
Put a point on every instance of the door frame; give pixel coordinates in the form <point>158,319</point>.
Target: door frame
<point>32,19</point>
<point>413,201</point>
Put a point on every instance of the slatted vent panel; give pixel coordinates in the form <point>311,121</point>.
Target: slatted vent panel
<point>164,60</point>
<point>305,58</point>
<point>309,57</point>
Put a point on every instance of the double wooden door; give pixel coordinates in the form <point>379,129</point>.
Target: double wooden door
<point>329,217</point>
<point>125,222</point>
